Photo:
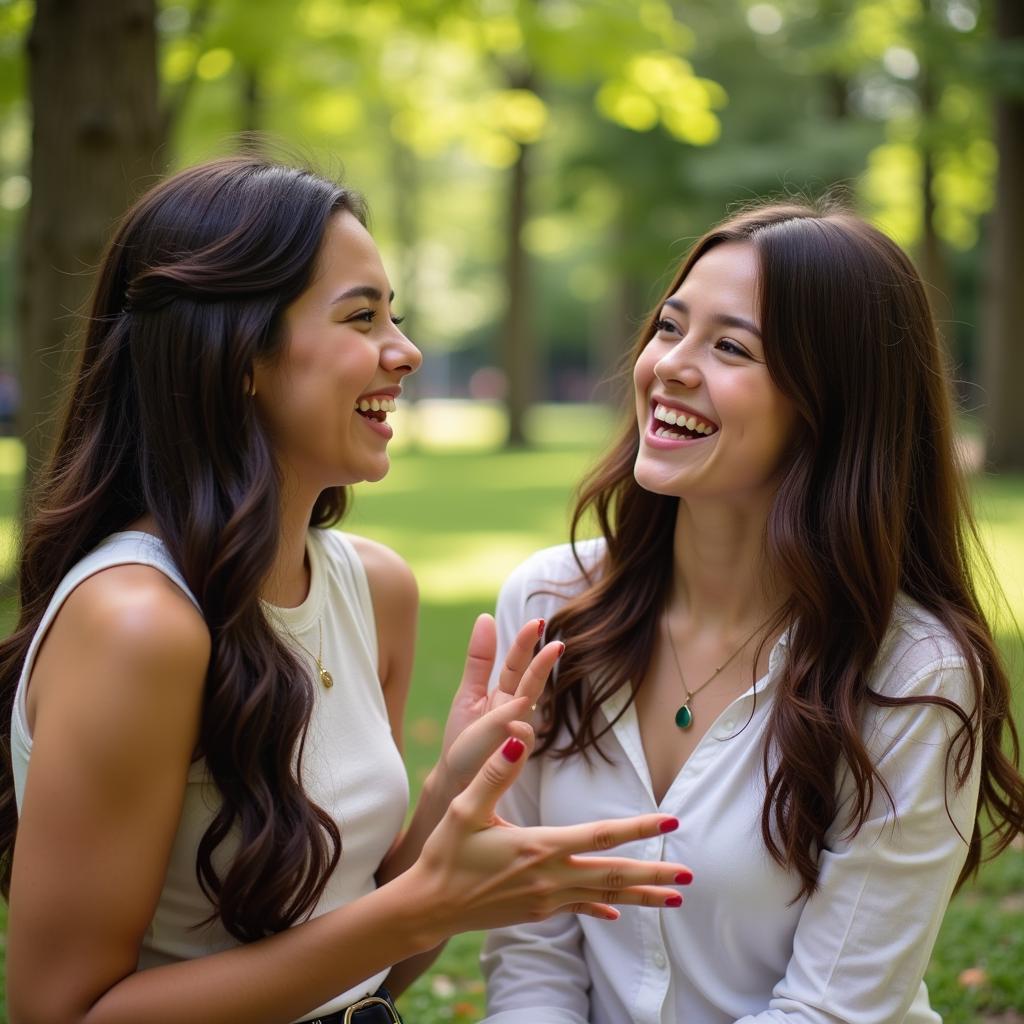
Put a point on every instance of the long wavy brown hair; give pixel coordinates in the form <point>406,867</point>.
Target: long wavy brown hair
<point>871,502</point>
<point>190,295</point>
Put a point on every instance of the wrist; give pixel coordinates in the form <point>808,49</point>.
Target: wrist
<point>440,787</point>
<point>424,912</point>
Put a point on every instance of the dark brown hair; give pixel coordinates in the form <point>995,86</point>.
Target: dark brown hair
<point>190,295</point>
<point>868,505</point>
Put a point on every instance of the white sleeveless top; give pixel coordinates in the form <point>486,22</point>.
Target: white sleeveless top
<point>351,766</point>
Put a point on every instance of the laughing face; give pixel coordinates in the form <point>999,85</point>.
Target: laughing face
<point>712,422</point>
<point>326,398</point>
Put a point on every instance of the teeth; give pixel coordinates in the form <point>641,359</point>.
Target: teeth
<point>376,405</point>
<point>681,419</point>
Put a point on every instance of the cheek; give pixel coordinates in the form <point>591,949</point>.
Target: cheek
<point>643,376</point>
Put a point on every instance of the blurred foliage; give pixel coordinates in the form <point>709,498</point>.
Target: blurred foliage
<point>649,119</point>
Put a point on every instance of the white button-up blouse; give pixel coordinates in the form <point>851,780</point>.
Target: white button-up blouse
<point>740,950</point>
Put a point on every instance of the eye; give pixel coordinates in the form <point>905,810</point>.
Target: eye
<point>732,348</point>
<point>663,326</point>
<point>396,320</point>
<point>365,315</point>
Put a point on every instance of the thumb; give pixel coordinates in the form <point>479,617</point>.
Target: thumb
<point>483,643</point>
<point>478,800</point>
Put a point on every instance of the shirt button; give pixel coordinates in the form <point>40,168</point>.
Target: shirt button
<point>659,960</point>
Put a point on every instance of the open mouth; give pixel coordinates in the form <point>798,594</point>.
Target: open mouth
<point>375,408</point>
<point>675,424</point>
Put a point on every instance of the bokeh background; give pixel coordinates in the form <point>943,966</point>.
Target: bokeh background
<point>535,170</point>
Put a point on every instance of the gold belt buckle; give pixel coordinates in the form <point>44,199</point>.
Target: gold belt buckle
<point>367,1002</point>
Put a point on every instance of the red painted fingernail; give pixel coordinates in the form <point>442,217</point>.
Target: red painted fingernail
<point>674,901</point>
<point>684,878</point>
<point>513,749</point>
<point>669,825</point>
<point>611,915</point>
<point>540,630</point>
<point>561,649</point>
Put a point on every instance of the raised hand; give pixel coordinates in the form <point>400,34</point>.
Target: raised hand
<point>478,721</point>
<point>481,872</point>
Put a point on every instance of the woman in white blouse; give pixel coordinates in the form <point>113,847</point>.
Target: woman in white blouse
<point>777,640</point>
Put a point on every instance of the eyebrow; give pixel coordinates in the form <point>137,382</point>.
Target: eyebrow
<point>362,291</point>
<point>725,319</point>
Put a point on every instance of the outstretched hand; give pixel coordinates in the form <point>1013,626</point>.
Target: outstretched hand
<point>479,871</point>
<point>478,721</point>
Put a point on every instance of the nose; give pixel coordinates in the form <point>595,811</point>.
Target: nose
<point>400,355</point>
<point>679,366</point>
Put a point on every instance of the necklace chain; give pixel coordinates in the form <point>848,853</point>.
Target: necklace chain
<point>326,679</point>
<point>684,715</point>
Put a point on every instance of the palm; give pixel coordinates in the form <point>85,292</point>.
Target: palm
<point>479,721</point>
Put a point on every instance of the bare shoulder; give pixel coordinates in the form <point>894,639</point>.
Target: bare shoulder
<point>130,634</point>
<point>139,614</point>
<point>392,583</point>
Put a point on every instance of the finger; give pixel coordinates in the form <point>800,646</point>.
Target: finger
<point>623,872</point>
<point>601,911</point>
<point>519,655</point>
<point>536,676</point>
<point>476,803</point>
<point>605,835</point>
<point>636,896</point>
<point>478,741</point>
<point>483,643</point>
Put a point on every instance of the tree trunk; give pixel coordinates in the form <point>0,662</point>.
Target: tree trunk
<point>934,265</point>
<point>251,119</point>
<point>517,343</point>
<point>1003,342</point>
<point>95,135</point>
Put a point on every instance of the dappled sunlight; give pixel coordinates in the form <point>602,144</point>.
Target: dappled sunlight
<point>472,566</point>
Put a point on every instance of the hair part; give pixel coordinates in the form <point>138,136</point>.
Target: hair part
<point>867,507</point>
<point>190,294</point>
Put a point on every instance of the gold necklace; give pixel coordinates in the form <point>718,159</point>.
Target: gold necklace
<point>325,677</point>
<point>684,716</point>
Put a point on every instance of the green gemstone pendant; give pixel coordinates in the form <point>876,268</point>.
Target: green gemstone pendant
<point>684,716</point>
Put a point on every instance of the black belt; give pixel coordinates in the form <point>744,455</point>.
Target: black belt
<point>375,1009</point>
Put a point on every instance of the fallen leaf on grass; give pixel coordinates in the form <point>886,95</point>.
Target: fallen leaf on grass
<point>425,730</point>
<point>973,977</point>
<point>442,986</point>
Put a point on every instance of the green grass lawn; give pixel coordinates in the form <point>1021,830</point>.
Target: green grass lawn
<point>463,516</point>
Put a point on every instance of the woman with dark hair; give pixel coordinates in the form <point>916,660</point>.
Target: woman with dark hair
<point>776,639</point>
<point>202,794</point>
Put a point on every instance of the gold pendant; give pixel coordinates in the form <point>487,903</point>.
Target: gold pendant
<point>326,678</point>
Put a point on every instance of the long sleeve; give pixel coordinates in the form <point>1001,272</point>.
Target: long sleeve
<point>535,973</point>
<point>864,939</point>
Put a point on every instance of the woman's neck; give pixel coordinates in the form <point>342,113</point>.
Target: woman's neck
<point>287,583</point>
<point>720,577</point>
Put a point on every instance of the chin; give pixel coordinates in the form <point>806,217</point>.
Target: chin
<point>655,481</point>
<point>378,471</point>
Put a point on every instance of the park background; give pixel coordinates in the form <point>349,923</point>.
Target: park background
<point>535,169</point>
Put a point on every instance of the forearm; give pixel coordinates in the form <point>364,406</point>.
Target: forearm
<point>405,973</point>
<point>433,802</point>
<point>430,808</point>
<point>266,982</point>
